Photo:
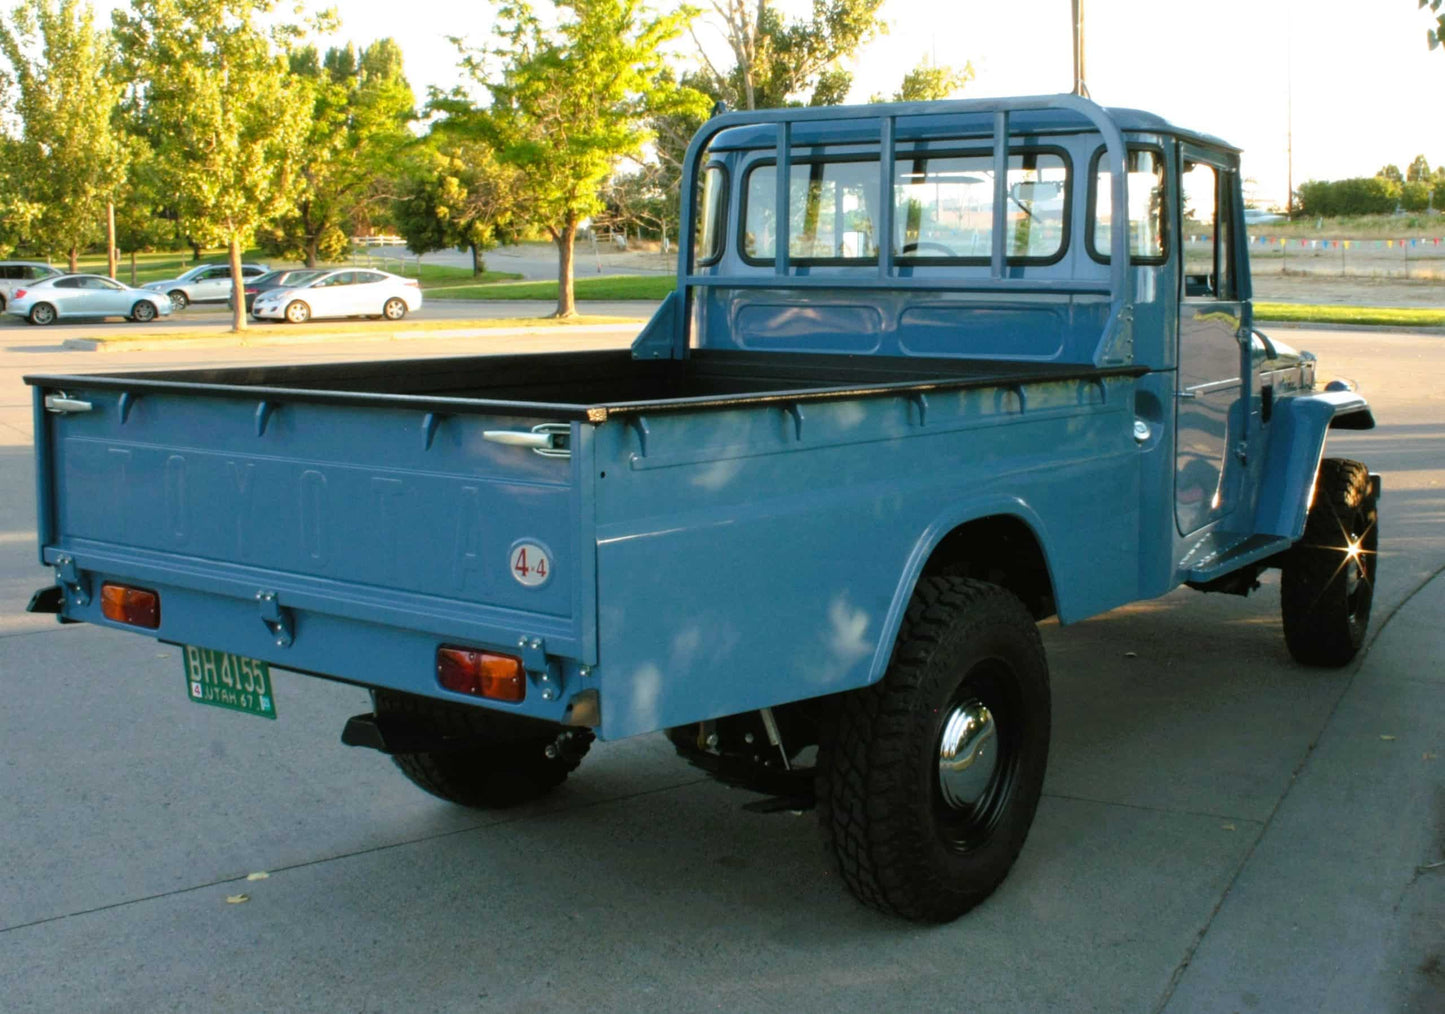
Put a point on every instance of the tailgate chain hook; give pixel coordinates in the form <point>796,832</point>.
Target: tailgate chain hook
<point>276,618</point>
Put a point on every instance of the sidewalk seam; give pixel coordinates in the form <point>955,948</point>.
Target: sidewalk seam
<point>1369,645</point>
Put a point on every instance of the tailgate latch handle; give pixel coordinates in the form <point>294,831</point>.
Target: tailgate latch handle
<point>61,403</point>
<point>277,618</point>
<point>551,440</point>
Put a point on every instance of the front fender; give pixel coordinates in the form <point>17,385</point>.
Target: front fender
<point>942,525</point>
<point>1296,445</point>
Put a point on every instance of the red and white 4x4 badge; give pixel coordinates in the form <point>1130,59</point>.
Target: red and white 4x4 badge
<point>530,564</point>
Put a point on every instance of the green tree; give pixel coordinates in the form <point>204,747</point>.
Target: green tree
<point>1418,170</point>
<point>1391,172</point>
<point>569,102</point>
<point>360,107</point>
<point>458,195</point>
<point>68,161</point>
<point>929,82</point>
<point>235,118</point>
<point>1435,36</point>
<point>779,62</point>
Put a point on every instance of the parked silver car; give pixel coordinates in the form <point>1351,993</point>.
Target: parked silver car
<point>70,296</point>
<point>15,274</point>
<point>207,283</point>
<point>344,293</point>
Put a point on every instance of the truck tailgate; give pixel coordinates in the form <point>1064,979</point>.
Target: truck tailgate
<point>354,517</point>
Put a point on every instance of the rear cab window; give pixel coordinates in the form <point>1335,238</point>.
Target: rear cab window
<point>830,212</point>
<point>1147,240</point>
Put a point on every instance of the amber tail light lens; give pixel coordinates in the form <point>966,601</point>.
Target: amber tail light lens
<point>138,607</point>
<point>481,673</point>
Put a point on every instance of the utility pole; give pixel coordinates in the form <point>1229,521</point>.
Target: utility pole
<point>1080,88</point>
<point>110,239</point>
<point>1289,118</point>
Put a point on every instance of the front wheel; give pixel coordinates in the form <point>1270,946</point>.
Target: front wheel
<point>514,760</point>
<point>395,309</point>
<point>928,780</point>
<point>298,312</point>
<point>143,312</point>
<point>179,300</point>
<point>42,314</point>
<point>1327,584</point>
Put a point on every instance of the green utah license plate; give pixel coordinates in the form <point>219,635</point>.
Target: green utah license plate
<point>229,681</point>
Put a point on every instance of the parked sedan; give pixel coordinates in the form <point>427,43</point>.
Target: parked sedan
<point>18,274</point>
<point>70,296</point>
<point>287,278</point>
<point>208,283</point>
<point>345,293</point>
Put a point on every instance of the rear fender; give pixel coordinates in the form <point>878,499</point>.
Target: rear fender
<point>1296,445</point>
<point>923,550</point>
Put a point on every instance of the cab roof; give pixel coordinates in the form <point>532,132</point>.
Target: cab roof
<point>927,127</point>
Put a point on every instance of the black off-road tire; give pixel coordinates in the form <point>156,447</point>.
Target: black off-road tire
<point>512,767</point>
<point>1325,590</point>
<point>900,846</point>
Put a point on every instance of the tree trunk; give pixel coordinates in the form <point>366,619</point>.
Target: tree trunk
<point>110,251</point>
<point>238,288</point>
<point>479,263</point>
<point>132,269</point>
<point>566,299</point>
<point>311,257</point>
<point>74,260</point>
<point>195,252</point>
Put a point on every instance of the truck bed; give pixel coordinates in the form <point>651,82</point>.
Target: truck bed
<point>590,386</point>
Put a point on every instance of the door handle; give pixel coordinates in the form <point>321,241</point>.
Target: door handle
<point>551,440</point>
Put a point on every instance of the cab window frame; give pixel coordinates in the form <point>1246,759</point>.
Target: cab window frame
<point>720,243</point>
<point>1091,224</point>
<point>914,261</point>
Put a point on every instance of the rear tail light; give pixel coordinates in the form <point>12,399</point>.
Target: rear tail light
<point>412,284</point>
<point>138,607</point>
<point>481,673</point>
<point>250,291</point>
<point>19,293</point>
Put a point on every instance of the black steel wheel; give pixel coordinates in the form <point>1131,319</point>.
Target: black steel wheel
<point>179,300</point>
<point>42,314</point>
<point>395,309</point>
<point>143,312</point>
<point>928,781</point>
<point>1328,582</point>
<point>514,759</point>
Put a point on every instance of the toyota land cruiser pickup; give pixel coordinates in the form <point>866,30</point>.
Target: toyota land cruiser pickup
<point>932,372</point>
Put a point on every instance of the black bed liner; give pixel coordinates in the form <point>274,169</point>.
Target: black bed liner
<point>589,386</point>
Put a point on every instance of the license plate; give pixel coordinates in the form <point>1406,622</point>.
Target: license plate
<point>229,681</point>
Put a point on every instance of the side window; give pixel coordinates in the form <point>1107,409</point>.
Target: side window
<point>830,216</point>
<point>252,272</point>
<point>711,196</point>
<point>1208,252</point>
<point>69,283</point>
<point>943,207</point>
<point>1145,169</point>
<point>10,271</point>
<point>368,278</point>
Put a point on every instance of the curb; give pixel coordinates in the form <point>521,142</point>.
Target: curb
<point>305,337</point>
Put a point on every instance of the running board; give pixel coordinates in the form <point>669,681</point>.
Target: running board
<point>1213,559</point>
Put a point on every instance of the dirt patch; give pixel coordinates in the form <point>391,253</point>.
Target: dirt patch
<point>1348,291</point>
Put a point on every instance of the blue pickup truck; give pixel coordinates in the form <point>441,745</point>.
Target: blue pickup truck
<point>932,373</point>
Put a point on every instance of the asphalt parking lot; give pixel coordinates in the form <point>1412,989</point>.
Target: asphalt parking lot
<point>1222,830</point>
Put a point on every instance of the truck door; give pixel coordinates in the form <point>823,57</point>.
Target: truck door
<point>1210,386</point>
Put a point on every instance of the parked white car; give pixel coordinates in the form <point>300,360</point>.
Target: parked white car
<point>68,296</point>
<point>17,274</point>
<point>342,293</point>
<point>208,283</point>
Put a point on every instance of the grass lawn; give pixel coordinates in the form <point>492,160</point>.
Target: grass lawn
<point>605,287</point>
<point>1389,316</point>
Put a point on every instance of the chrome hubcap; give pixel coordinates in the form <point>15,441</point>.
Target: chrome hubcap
<point>967,754</point>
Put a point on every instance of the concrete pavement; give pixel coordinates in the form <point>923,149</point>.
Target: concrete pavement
<point>1221,829</point>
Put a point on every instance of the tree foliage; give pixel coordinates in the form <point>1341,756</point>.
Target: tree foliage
<point>929,82</point>
<point>1435,36</point>
<point>69,160</point>
<point>215,73</point>
<point>458,195</point>
<point>779,61</point>
<point>1375,195</point>
<point>1418,171</point>
<point>360,107</point>
<point>569,103</point>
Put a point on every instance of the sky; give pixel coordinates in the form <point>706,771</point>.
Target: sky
<point>1366,89</point>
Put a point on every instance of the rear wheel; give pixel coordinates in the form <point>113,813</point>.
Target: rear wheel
<point>179,300</point>
<point>143,312</point>
<point>42,314</point>
<point>516,759</point>
<point>1327,583</point>
<point>395,309</point>
<point>298,312</point>
<point>928,780</point>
